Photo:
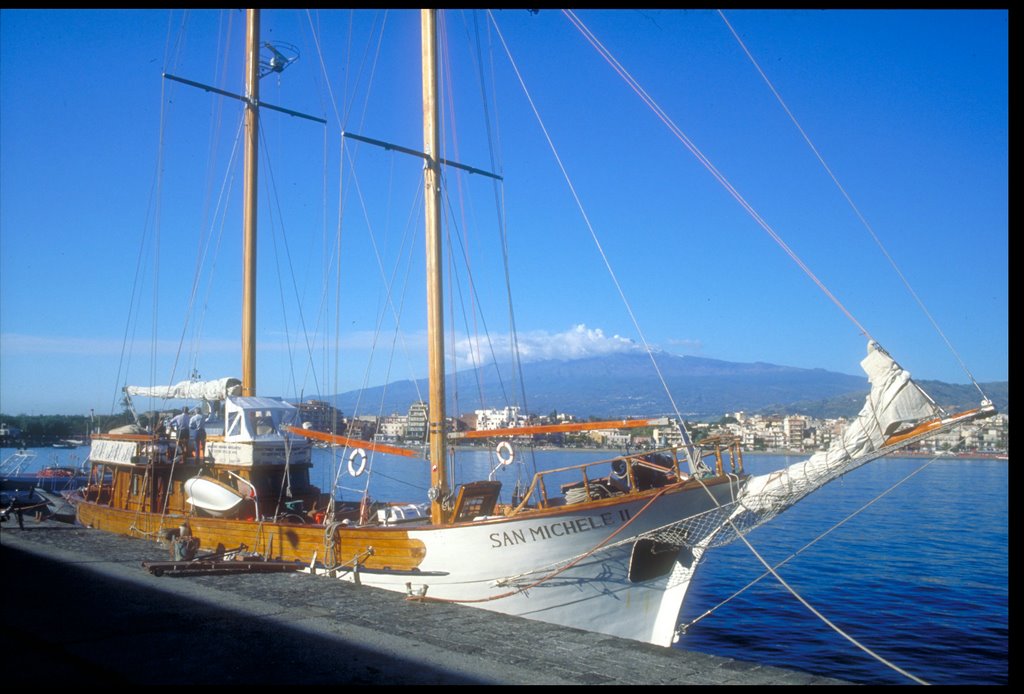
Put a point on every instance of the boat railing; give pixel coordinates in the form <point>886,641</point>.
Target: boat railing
<point>15,463</point>
<point>631,474</point>
<point>620,475</point>
<point>722,450</point>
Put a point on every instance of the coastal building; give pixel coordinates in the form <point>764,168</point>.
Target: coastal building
<point>393,427</point>
<point>416,422</point>
<point>667,436</point>
<point>611,438</point>
<point>499,419</point>
<point>363,427</point>
<point>321,416</point>
<point>795,430</point>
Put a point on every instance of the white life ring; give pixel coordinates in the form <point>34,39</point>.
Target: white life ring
<point>509,456</point>
<point>353,469</point>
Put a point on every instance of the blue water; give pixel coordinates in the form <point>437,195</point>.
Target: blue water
<point>919,578</point>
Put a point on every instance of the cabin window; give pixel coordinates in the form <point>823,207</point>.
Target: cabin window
<point>261,423</point>
<point>233,425</point>
<point>135,484</point>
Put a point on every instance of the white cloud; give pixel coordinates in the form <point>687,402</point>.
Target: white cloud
<point>538,345</point>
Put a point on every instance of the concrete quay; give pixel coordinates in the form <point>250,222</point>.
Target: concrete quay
<point>79,607</point>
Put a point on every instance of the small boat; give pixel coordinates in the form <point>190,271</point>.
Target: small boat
<point>16,469</point>
<point>213,496</point>
<point>21,497</point>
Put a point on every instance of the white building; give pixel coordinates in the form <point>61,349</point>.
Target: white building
<point>487,420</point>
<point>667,436</point>
<point>392,427</point>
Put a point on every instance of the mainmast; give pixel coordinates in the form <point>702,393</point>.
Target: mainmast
<point>435,315</point>
<point>252,96</point>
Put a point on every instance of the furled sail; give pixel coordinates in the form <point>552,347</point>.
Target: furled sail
<point>896,413</point>
<point>894,403</point>
<point>218,389</point>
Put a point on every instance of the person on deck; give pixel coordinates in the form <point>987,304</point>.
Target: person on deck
<point>180,425</point>
<point>197,430</point>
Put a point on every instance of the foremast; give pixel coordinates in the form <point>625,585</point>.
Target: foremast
<point>435,316</point>
<point>252,95</point>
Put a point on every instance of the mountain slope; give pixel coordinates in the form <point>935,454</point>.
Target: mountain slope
<point>625,385</point>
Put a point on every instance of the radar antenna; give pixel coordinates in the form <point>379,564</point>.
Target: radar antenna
<point>276,57</point>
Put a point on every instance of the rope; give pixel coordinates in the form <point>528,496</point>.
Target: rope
<point>822,617</point>
<point>682,628</point>
<point>849,200</point>
<point>593,234</point>
<point>682,137</point>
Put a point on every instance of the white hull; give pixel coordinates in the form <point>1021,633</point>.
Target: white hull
<point>525,567</point>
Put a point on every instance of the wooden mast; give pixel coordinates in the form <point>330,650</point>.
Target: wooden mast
<point>435,316</point>
<point>252,94</point>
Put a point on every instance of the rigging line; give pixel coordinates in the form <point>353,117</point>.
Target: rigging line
<point>151,220</point>
<point>474,351</point>
<point>338,236</point>
<point>314,32</point>
<point>154,210</point>
<point>380,262</point>
<point>818,614</point>
<point>388,303</point>
<point>494,151</point>
<point>343,119</point>
<point>804,602</point>
<point>683,628</point>
<point>499,190</point>
<point>220,213</point>
<point>320,312</point>
<point>311,370</point>
<point>685,140</point>
<point>856,210</point>
<point>272,185</point>
<point>453,227</point>
<point>336,259</point>
<point>197,271</point>
<point>217,118</point>
<point>443,32</point>
<point>593,234</point>
<point>472,334</point>
<point>377,335</point>
<point>194,290</point>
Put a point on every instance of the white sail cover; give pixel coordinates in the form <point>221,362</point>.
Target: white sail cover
<point>218,389</point>
<point>894,400</point>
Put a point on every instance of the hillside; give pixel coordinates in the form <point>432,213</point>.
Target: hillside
<point>625,385</point>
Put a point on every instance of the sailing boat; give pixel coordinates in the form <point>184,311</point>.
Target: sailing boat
<point>614,550</point>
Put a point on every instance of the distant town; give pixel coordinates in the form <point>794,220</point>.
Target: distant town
<point>756,432</point>
<point>763,433</point>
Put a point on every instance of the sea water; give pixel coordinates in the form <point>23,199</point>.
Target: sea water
<point>918,577</point>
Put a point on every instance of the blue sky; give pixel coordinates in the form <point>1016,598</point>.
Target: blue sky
<point>112,182</point>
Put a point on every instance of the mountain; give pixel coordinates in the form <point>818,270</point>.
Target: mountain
<point>625,385</point>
